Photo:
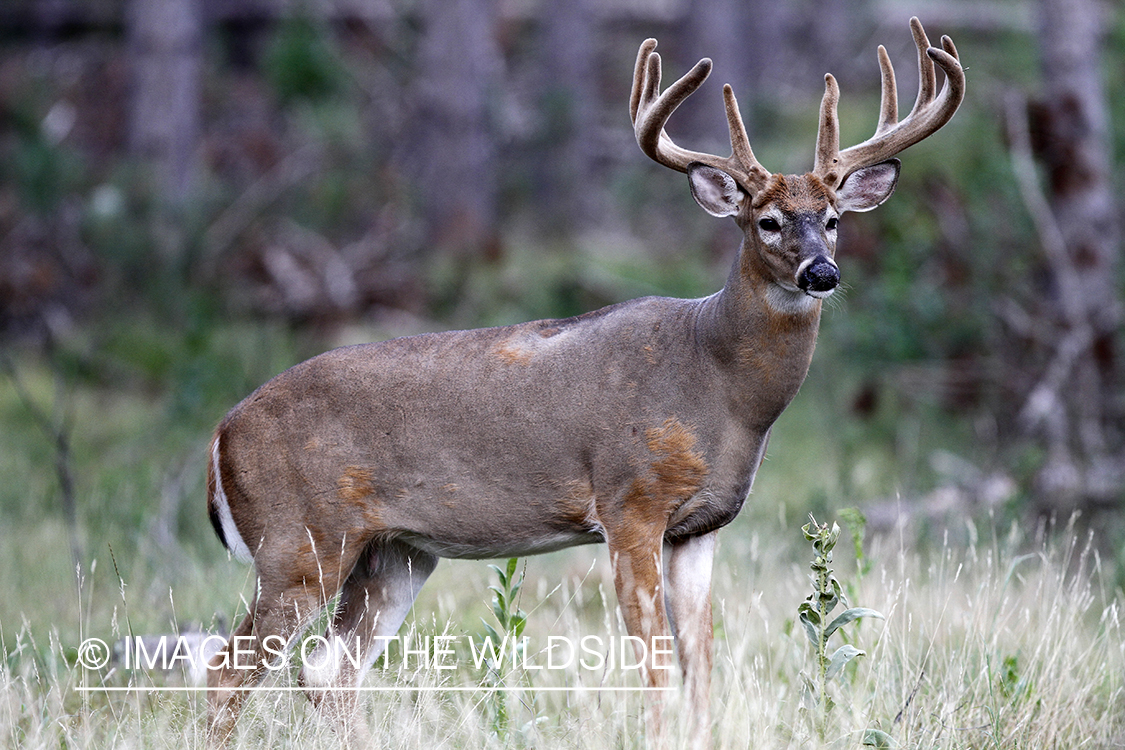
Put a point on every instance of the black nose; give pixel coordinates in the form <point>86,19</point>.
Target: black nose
<point>821,275</point>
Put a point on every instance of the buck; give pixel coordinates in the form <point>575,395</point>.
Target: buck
<point>640,425</point>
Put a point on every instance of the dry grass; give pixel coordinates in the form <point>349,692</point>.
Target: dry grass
<point>1001,643</point>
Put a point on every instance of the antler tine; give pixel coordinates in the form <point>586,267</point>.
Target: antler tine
<point>927,76</point>
<point>888,99</point>
<point>650,111</point>
<point>647,46</point>
<point>930,111</point>
<point>740,150</point>
<point>828,134</point>
<point>653,109</point>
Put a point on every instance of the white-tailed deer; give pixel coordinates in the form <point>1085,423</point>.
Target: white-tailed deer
<point>640,425</point>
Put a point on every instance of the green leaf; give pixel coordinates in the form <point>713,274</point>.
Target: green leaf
<point>811,620</point>
<point>513,562</point>
<point>491,631</point>
<point>843,655</point>
<point>876,738</point>
<point>501,614</point>
<point>501,596</point>
<point>850,615</point>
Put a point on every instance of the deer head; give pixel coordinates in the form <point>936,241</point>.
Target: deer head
<point>790,221</point>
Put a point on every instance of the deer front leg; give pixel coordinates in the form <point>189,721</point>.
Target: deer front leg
<point>638,581</point>
<point>687,596</point>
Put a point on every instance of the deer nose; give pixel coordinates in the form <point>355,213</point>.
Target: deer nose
<point>818,277</point>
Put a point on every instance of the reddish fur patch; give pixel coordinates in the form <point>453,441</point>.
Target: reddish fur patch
<point>795,193</point>
<point>355,485</point>
<point>512,355</point>
<point>676,472</point>
<point>303,569</point>
<point>679,468</point>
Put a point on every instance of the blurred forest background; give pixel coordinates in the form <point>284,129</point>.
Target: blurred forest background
<point>197,194</point>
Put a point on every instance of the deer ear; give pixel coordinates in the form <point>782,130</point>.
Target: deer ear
<point>714,190</point>
<point>866,188</point>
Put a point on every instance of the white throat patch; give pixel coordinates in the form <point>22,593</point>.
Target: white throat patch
<point>789,301</point>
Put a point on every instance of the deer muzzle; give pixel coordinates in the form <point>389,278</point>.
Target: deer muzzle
<point>818,277</point>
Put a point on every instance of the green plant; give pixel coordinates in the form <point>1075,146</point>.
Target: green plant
<point>512,621</point>
<point>814,613</point>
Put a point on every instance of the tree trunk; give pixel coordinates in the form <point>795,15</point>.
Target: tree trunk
<point>566,147</point>
<point>452,157</point>
<point>165,42</point>
<point>1073,407</point>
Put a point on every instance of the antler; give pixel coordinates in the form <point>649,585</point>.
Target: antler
<point>650,110</point>
<point>891,136</point>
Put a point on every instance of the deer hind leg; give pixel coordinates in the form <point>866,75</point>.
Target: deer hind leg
<point>374,601</point>
<point>273,622</point>
<point>295,582</point>
<point>687,597</point>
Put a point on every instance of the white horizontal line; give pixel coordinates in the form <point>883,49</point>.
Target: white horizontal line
<point>376,689</point>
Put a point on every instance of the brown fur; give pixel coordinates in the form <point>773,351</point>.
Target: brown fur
<point>576,504</point>
<point>794,194</point>
<point>679,469</point>
<point>355,485</point>
<point>511,355</point>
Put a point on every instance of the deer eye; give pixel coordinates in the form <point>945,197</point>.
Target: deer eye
<point>769,225</point>
<point>831,225</point>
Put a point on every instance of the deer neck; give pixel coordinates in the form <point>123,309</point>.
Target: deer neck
<point>762,338</point>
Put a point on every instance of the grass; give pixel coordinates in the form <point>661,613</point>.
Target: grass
<point>997,642</point>
<point>1010,642</point>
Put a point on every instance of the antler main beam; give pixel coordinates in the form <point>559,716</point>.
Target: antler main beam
<point>929,113</point>
<point>651,109</point>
